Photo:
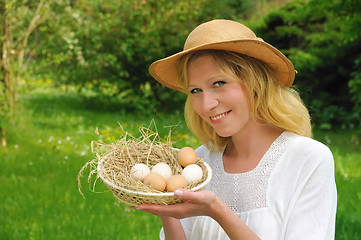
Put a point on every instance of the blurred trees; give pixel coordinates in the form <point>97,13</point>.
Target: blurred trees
<point>108,46</point>
<point>103,48</point>
<point>15,33</point>
<point>323,39</point>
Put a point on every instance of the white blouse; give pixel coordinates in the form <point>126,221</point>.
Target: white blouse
<point>291,194</point>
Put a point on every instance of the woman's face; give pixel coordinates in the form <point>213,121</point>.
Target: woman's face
<point>219,100</point>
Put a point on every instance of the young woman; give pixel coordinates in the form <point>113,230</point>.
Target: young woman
<point>270,179</point>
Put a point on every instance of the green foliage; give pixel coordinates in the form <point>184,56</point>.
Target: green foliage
<point>105,47</point>
<point>355,86</point>
<point>323,41</point>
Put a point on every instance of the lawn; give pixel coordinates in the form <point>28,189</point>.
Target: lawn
<point>51,142</point>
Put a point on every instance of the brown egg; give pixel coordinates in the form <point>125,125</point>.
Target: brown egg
<point>187,156</point>
<point>156,181</point>
<point>176,182</point>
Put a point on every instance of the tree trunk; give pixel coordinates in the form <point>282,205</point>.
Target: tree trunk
<point>9,88</point>
<point>3,137</point>
<point>22,48</point>
<point>8,94</point>
<point>4,89</point>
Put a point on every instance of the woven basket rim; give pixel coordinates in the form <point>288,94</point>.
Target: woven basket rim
<point>155,194</point>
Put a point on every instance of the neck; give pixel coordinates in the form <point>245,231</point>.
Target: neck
<point>246,148</point>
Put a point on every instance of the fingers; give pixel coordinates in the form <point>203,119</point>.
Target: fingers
<point>175,210</point>
<point>196,203</point>
<point>195,197</point>
<point>184,194</point>
<point>187,195</point>
<point>179,193</point>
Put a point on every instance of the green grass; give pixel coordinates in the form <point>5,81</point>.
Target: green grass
<point>51,142</point>
<point>346,148</point>
<point>47,147</point>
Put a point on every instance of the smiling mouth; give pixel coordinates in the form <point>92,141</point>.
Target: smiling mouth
<point>219,116</point>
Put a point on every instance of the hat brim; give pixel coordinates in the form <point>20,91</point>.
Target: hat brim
<point>165,70</point>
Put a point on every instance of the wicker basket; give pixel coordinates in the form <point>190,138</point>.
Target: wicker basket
<point>134,197</point>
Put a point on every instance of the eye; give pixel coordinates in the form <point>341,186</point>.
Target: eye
<point>195,90</point>
<point>219,83</point>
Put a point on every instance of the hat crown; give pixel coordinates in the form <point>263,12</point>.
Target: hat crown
<point>226,35</point>
<point>216,31</point>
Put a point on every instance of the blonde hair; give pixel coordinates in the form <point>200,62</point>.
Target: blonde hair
<point>269,100</point>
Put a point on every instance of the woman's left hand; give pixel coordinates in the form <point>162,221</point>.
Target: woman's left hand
<point>196,204</point>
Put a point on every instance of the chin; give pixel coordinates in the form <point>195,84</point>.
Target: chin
<point>224,134</point>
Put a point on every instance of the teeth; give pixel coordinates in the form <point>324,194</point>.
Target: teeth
<point>219,116</point>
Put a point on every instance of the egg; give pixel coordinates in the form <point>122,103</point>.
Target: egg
<point>162,169</point>
<point>176,182</point>
<point>139,171</point>
<point>155,181</point>
<point>193,173</point>
<point>187,156</point>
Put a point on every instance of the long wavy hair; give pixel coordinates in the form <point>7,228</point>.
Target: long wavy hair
<point>270,101</point>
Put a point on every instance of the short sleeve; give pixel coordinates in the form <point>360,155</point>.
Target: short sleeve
<point>312,209</point>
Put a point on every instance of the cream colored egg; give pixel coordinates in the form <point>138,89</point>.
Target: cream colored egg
<point>162,169</point>
<point>155,181</point>
<point>176,182</point>
<point>187,156</point>
<point>139,171</point>
<point>193,173</point>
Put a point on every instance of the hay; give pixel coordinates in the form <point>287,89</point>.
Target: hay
<point>114,161</point>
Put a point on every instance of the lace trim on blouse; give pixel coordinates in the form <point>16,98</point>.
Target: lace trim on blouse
<point>245,191</point>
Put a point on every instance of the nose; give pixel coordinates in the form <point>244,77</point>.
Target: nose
<point>209,102</point>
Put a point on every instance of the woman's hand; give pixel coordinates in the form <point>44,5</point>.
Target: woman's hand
<point>200,203</point>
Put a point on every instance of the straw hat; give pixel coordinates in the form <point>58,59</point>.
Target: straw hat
<point>227,35</point>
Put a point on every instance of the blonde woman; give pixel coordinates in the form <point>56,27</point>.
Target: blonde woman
<point>270,179</point>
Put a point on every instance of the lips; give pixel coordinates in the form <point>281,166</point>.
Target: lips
<point>217,117</point>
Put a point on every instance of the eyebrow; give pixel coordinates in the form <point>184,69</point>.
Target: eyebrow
<point>212,79</point>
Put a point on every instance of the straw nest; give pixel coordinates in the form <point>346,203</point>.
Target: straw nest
<point>114,161</point>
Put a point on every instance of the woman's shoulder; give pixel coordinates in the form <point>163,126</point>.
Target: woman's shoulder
<point>304,145</point>
<point>304,152</point>
<point>303,158</point>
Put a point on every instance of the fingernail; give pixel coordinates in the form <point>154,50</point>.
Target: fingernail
<point>137,207</point>
<point>178,193</point>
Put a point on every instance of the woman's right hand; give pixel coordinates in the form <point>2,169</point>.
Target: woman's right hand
<point>200,203</point>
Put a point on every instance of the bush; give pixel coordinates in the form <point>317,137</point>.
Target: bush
<point>321,39</point>
<point>355,86</point>
<point>106,47</point>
